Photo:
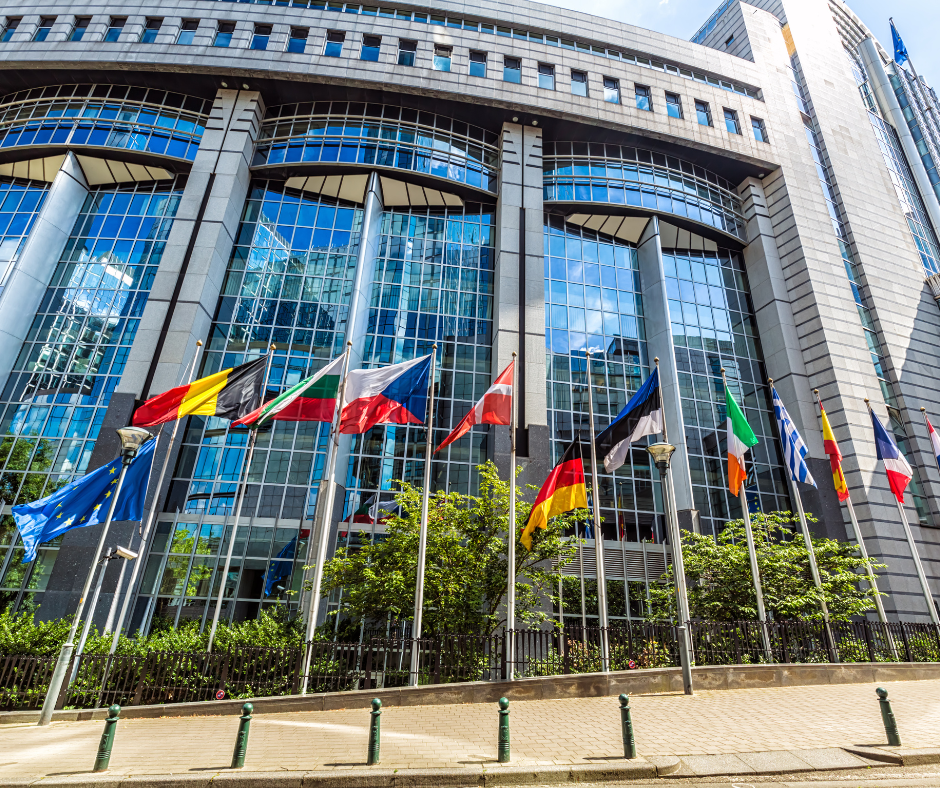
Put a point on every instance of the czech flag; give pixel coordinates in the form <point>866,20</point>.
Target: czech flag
<point>563,491</point>
<point>899,472</point>
<point>313,399</point>
<point>835,457</point>
<point>390,395</point>
<point>495,407</point>
<point>934,439</point>
<point>229,394</point>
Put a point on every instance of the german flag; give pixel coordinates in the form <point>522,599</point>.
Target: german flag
<point>563,491</point>
<point>230,394</point>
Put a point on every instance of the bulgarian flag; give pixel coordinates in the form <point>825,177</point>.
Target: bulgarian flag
<point>835,457</point>
<point>313,399</point>
<point>740,438</point>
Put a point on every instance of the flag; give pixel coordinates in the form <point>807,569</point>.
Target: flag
<point>313,399</point>
<point>563,491</point>
<point>740,438</point>
<point>934,439</point>
<point>899,472</point>
<point>366,512</point>
<point>86,501</point>
<point>279,567</point>
<point>900,51</point>
<point>794,450</point>
<point>389,395</point>
<point>495,407</point>
<point>229,394</point>
<point>835,457</point>
<point>643,416</point>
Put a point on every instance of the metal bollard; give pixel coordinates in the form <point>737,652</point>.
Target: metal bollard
<point>626,725</point>
<point>107,739</point>
<point>241,741</point>
<point>375,732</point>
<point>887,716</point>
<point>503,746</point>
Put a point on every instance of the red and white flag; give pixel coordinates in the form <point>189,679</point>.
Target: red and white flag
<point>495,407</point>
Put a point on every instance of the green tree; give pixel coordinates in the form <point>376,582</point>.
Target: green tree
<point>466,570</point>
<point>721,587</point>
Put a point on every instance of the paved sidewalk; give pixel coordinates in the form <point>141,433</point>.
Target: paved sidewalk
<point>544,733</point>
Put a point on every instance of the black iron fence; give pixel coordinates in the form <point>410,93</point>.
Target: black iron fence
<point>377,662</point>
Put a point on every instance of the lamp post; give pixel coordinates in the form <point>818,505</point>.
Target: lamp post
<point>132,438</point>
<point>662,453</point>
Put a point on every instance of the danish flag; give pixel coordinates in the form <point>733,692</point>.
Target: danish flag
<point>495,407</point>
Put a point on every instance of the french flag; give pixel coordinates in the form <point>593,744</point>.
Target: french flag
<point>934,439</point>
<point>494,407</point>
<point>899,472</point>
<point>390,395</point>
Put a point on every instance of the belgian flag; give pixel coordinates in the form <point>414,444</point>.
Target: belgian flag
<point>230,394</point>
<point>563,491</point>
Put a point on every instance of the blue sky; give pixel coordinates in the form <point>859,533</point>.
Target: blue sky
<point>917,20</point>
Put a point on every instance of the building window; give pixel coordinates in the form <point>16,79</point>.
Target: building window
<point>115,26</point>
<point>81,25</point>
<point>731,121</point>
<point>673,105</point>
<point>612,90</point>
<point>370,48</point>
<point>703,113</point>
<point>187,32</point>
<point>149,33</point>
<point>10,29</point>
<point>408,51</point>
<point>546,76</point>
<point>45,25</point>
<point>729,40</point>
<point>578,83</point>
<point>512,70</point>
<point>223,34</point>
<point>644,100</point>
<point>478,64</point>
<point>442,58</point>
<point>760,130</point>
<point>334,43</point>
<point>261,36</point>
<point>297,42</point>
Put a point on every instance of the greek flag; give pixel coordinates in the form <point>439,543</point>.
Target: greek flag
<point>794,450</point>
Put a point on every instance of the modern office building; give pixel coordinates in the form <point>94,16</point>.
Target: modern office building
<point>494,178</point>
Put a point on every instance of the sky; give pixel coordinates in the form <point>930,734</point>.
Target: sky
<point>918,21</point>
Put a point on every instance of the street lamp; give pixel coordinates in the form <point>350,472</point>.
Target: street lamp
<point>132,438</point>
<point>662,453</point>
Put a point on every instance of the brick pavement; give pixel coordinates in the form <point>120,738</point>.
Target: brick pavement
<point>568,731</point>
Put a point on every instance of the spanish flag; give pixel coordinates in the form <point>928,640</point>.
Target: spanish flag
<point>231,394</point>
<point>835,457</point>
<point>563,491</point>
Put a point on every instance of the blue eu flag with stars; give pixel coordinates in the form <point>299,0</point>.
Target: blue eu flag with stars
<point>86,502</point>
<point>900,51</point>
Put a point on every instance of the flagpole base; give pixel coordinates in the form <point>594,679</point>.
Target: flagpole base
<point>55,683</point>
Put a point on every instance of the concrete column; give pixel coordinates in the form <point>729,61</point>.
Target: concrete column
<point>26,283</point>
<point>659,343</point>
<point>519,310</point>
<point>891,110</point>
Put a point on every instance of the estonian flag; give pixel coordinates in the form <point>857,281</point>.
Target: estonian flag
<point>643,416</point>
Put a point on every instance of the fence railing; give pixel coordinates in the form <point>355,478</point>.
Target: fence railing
<point>384,662</point>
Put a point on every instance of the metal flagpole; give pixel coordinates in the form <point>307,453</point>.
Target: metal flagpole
<point>511,531</point>
<point>323,524</point>
<point>145,531</point>
<point>598,534</point>
<point>253,432</point>
<point>857,537</point>
<point>914,71</point>
<point>928,597</point>
<point>752,555</point>
<point>423,534</point>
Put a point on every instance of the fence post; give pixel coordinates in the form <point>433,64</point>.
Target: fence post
<point>626,726</point>
<point>887,716</point>
<point>368,670</point>
<point>298,670</point>
<point>241,740</point>
<point>375,732</point>
<point>906,641</point>
<point>866,628</point>
<point>107,739</point>
<point>503,745</point>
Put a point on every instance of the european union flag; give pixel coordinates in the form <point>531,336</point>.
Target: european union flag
<point>279,570</point>
<point>900,51</point>
<point>86,502</point>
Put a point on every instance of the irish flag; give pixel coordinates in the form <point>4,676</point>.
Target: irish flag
<point>740,438</point>
<point>313,399</point>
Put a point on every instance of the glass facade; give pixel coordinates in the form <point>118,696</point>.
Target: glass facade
<point>381,136</point>
<point>919,105</point>
<point>20,203</point>
<point>112,116</point>
<point>600,173</point>
<point>74,355</point>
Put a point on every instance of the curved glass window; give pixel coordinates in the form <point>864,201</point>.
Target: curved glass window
<point>20,202</point>
<point>621,175</point>
<point>378,135</point>
<point>109,116</point>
